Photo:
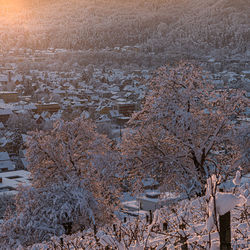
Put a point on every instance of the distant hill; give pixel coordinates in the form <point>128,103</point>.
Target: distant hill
<point>185,26</point>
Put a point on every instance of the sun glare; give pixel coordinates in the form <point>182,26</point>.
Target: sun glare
<point>12,11</point>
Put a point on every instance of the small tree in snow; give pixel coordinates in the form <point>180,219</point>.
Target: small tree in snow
<point>44,212</point>
<point>219,206</point>
<point>22,122</point>
<point>71,151</point>
<point>183,225</point>
<point>185,128</point>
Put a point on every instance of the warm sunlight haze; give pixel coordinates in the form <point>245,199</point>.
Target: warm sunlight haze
<point>124,124</point>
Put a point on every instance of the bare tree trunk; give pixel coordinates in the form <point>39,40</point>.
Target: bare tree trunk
<point>184,245</point>
<point>68,227</point>
<point>183,239</point>
<point>225,231</point>
<point>150,217</point>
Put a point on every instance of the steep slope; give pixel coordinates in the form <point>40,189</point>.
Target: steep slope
<point>160,25</point>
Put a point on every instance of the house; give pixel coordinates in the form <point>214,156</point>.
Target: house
<point>126,108</point>
<point>5,162</point>
<point>9,181</point>
<point>246,73</point>
<point>114,114</point>
<point>27,107</point>
<point>62,93</point>
<point>22,154</point>
<point>39,119</point>
<point>17,79</point>
<point>6,166</point>
<point>50,107</point>
<point>1,126</point>
<point>9,96</point>
<point>25,139</point>
<point>103,119</point>
<point>4,115</point>
<point>150,183</point>
<point>4,156</point>
<point>103,110</point>
<point>149,201</point>
<point>122,120</point>
<point>3,79</point>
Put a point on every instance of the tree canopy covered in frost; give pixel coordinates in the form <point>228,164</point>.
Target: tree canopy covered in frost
<point>181,225</point>
<point>74,152</point>
<point>187,26</point>
<point>185,131</point>
<point>44,212</point>
<point>73,184</point>
<point>65,153</point>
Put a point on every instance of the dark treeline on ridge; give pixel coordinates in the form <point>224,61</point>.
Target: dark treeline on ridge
<point>181,26</point>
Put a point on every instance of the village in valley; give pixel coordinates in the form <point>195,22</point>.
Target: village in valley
<point>35,98</point>
<point>124,124</point>
<point>38,98</point>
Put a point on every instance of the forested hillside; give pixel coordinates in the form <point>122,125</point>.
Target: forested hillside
<point>124,124</point>
<point>186,26</point>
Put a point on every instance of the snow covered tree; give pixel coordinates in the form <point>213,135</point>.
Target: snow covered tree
<point>73,184</point>
<point>84,155</point>
<point>183,224</point>
<point>220,205</point>
<point>6,201</point>
<point>44,212</point>
<point>23,122</point>
<point>70,151</point>
<point>185,129</point>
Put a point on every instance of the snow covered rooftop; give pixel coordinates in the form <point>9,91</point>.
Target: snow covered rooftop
<point>7,165</point>
<point>5,112</point>
<point>114,113</point>
<point>3,78</point>
<point>4,156</point>
<point>9,181</point>
<point>149,182</point>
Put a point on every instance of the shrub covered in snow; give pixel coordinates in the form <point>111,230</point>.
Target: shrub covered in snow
<point>73,185</point>
<point>185,224</point>
<point>185,130</point>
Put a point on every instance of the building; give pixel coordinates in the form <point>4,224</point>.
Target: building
<point>8,96</point>
<point>4,115</point>
<point>24,161</point>
<point>122,120</point>
<point>48,107</point>
<point>9,181</point>
<point>149,201</point>
<point>3,79</point>
<point>125,108</point>
<point>5,162</point>
<point>114,115</point>
<point>1,126</point>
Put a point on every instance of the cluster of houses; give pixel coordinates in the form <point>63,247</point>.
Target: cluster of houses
<point>105,96</point>
<point>13,167</point>
<point>233,72</point>
<point>109,97</point>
